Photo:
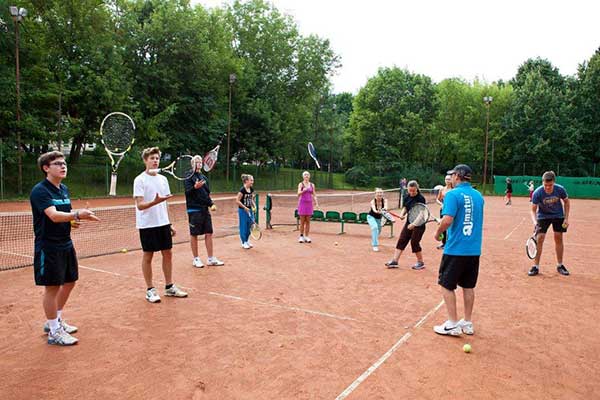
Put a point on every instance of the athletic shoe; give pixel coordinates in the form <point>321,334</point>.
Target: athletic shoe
<point>214,261</point>
<point>197,262</point>
<point>152,296</point>
<point>174,291</point>
<point>466,327</point>
<point>307,239</point>
<point>68,328</point>
<point>445,329</point>
<point>245,246</point>
<point>419,265</point>
<point>249,244</point>
<point>61,338</point>
<point>301,239</point>
<point>533,271</point>
<point>375,248</point>
<point>562,270</point>
<point>392,264</point>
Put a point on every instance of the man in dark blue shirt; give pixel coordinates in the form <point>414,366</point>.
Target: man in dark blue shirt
<point>463,218</point>
<point>55,261</point>
<point>199,204</point>
<point>546,210</point>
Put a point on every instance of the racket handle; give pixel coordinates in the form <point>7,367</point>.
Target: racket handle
<point>113,184</point>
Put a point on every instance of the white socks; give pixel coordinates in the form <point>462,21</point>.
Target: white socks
<point>54,325</point>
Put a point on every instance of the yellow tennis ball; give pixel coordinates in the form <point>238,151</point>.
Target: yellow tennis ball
<point>123,250</point>
<point>467,348</point>
<point>564,226</point>
<point>213,208</point>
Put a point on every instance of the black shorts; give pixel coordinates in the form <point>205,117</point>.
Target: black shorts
<point>413,236</point>
<point>55,267</point>
<point>157,238</point>
<point>556,223</point>
<point>458,270</point>
<point>200,223</point>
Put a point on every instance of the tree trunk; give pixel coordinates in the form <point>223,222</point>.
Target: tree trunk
<point>76,148</point>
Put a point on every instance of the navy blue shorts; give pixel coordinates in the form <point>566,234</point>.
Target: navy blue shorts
<point>55,267</point>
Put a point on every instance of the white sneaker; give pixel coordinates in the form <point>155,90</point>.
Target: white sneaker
<point>152,296</point>
<point>375,248</point>
<point>249,244</point>
<point>301,239</point>
<point>197,262</point>
<point>245,246</point>
<point>307,239</point>
<point>466,327</point>
<point>214,261</point>
<point>61,338</point>
<point>447,329</point>
<point>174,291</point>
<point>68,328</point>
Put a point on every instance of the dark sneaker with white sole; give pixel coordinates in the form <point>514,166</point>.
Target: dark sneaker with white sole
<point>533,271</point>
<point>392,264</point>
<point>562,270</point>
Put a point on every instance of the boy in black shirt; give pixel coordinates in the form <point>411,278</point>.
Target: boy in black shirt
<point>55,261</point>
<point>199,204</point>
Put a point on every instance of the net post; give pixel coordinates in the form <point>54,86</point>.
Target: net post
<point>257,213</point>
<point>268,205</point>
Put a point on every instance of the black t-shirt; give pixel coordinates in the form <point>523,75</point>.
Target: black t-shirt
<point>374,214</point>
<point>247,197</point>
<point>50,235</point>
<point>197,199</point>
<point>509,187</point>
<point>409,202</point>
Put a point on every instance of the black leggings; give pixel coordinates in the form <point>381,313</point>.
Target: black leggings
<point>413,236</point>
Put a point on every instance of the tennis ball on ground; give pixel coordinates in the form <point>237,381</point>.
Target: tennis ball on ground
<point>467,348</point>
<point>123,250</point>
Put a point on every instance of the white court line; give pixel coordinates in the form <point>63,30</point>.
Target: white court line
<point>511,232</point>
<point>323,314</point>
<point>16,254</point>
<point>385,356</point>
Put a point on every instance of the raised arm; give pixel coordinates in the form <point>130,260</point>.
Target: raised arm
<point>143,205</point>
<point>61,216</point>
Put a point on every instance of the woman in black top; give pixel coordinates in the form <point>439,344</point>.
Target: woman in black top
<point>410,233</point>
<point>374,217</point>
<point>245,202</point>
<point>508,192</point>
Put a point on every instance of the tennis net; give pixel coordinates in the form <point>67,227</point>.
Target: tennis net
<point>280,207</point>
<point>115,231</point>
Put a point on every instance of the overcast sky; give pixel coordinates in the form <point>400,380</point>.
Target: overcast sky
<point>447,38</point>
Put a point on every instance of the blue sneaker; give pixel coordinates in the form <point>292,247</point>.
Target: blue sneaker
<point>419,265</point>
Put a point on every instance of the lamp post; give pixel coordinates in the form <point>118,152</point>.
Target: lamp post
<point>488,101</point>
<point>232,79</point>
<point>18,14</point>
<point>331,148</point>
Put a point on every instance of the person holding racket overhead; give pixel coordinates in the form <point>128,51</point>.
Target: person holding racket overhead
<point>546,210</point>
<point>150,191</point>
<point>306,195</point>
<point>246,206</point>
<point>378,205</point>
<point>199,205</point>
<point>463,219</point>
<point>440,201</point>
<point>55,261</point>
<point>410,233</point>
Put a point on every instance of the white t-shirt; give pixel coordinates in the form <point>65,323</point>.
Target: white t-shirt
<point>148,186</point>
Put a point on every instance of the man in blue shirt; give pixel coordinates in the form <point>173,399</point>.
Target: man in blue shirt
<point>546,210</point>
<point>55,262</point>
<point>463,219</point>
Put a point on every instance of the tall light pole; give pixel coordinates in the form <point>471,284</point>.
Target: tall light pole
<point>488,101</point>
<point>232,78</point>
<point>331,148</point>
<point>18,14</point>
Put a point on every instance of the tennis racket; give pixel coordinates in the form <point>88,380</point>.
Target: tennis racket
<point>210,159</point>
<point>255,230</point>
<point>313,153</point>
<point>117,133</point>
<point>531,244</point>
<point>181,169</point>
<point>420,215</point>
<point>389,215</point>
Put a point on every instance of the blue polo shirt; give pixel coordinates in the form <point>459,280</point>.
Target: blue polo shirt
<point>465,205</point>
<point>50,235</point>
<point>549,204</point>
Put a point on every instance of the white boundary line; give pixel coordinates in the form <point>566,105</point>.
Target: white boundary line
<point>385,356</point>
<point>515,228</point>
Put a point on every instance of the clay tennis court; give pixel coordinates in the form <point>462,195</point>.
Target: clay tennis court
<point>317,321</point>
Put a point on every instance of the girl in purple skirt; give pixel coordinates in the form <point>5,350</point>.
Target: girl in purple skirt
<point>306,194</point>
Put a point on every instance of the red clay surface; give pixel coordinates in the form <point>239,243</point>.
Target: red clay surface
<point>304,321</point>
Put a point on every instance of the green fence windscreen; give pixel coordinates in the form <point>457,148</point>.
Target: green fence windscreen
<point>584,187</point>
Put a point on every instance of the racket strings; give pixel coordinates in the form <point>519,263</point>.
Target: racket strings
<point>117,133</point>
<point>183,168</point>
<point>418,215</point>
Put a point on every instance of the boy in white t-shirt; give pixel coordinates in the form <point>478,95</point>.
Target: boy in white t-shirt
<point>150,191</point>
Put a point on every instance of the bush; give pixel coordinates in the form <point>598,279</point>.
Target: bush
<point>358,176</point>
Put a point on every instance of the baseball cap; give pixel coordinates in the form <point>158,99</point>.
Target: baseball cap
<point>462,170</point>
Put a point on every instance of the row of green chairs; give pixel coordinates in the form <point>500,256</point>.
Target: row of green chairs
<point>347,217</point>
